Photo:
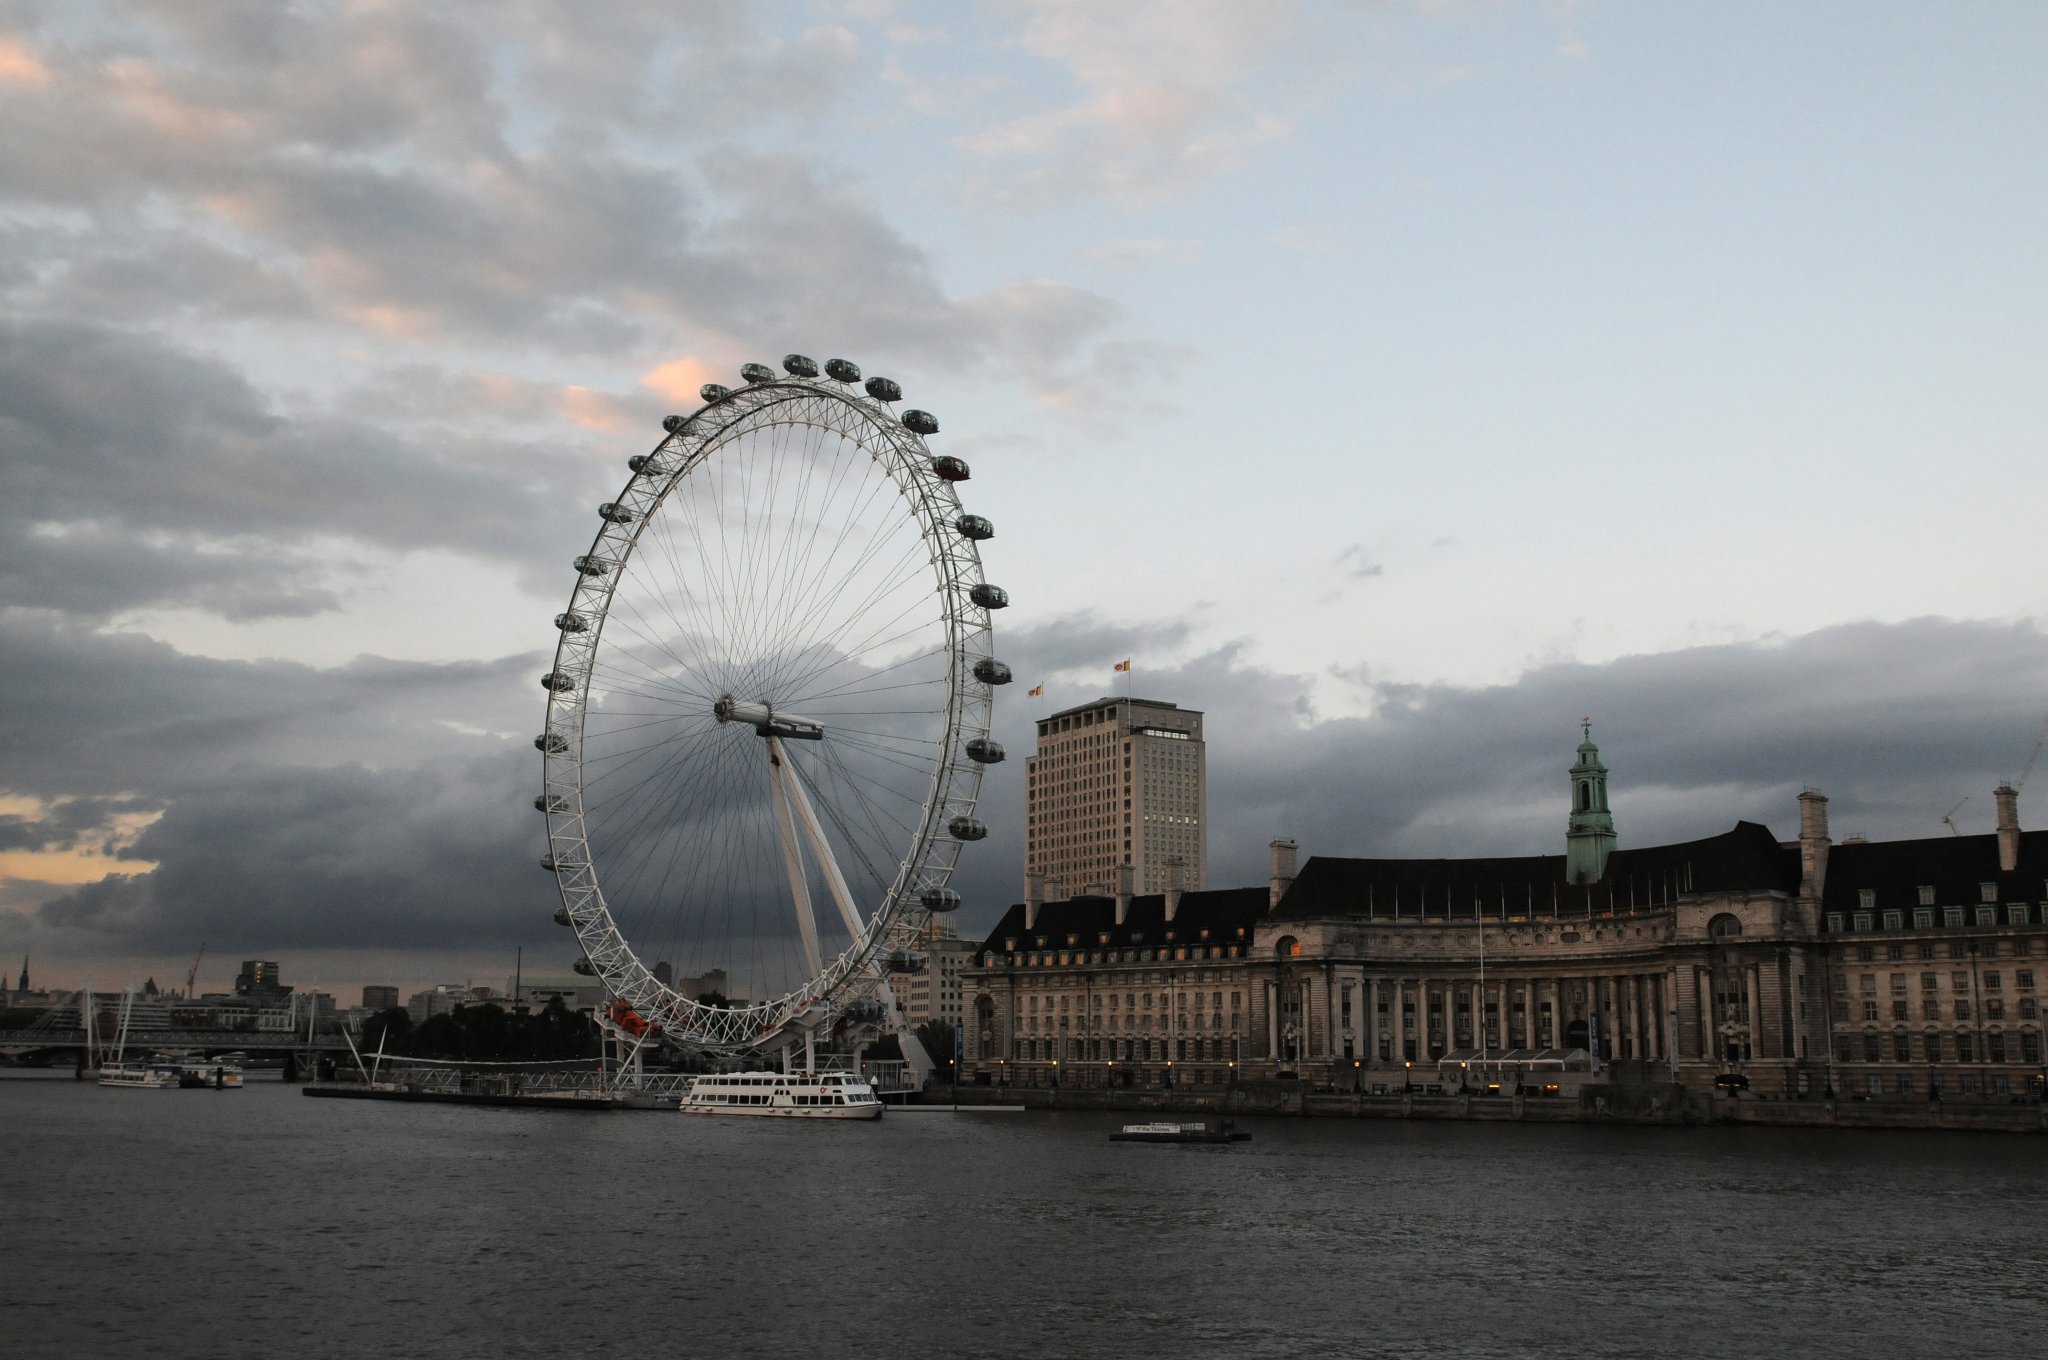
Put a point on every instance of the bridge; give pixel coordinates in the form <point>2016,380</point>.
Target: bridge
<point>140,1041</point>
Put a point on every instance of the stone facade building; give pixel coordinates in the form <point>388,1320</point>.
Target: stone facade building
<point>1896,971</point>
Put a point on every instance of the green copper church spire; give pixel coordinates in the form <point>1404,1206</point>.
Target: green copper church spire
<point>1590,838</point>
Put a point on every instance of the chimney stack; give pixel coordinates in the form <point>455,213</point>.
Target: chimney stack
<point>1172,888</point>
<point>1813,843</point>
<point>2008,799</point>
<point>1034,898</point>
<point>1283,871</point>
<point>1123,893</point>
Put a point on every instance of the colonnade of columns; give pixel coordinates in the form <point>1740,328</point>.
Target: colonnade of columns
<point>1326,1006</point>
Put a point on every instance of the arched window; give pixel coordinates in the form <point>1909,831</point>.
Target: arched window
<point>1724,926</point>
<point>1286,947</point>
<point>1585,797</point>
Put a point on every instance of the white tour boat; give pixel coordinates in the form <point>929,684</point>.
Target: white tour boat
<point>783,1095</point>
<point>143,1076</point>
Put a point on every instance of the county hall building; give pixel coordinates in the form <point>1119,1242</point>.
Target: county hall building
<point>1897,970</point>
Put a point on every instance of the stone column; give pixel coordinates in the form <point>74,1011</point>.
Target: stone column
<point>1272,1019</point>
<point>1755,1009</point>
<point>1308,1020</point>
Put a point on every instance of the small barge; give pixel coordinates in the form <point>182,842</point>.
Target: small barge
<point>1179,1133</point>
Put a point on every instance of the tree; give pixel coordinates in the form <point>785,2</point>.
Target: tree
<point>390,1028</point>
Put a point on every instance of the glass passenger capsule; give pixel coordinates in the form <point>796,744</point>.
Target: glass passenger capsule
<point>799,366</point>
<point>547,862</point>
<point>614,513</point>
<point>551,802</point>
<point>647,464</point>
<point>975,527</point>
<point>905,961</point>
<point>571,623</point>
<point>984,750</point>
<point>842,370</point>
<point>757,373</point>
<point>592,566</point>
<point>714,391</point>
<point>940,899</point>
<point>950,469</point>
<point>674,423</point>
<point>585,967</point>
<point>884,389</point>
<point>990,671</point>
<point>557,682</point>
<point>966,829</point>
<point>989,597</point>
<point>553,743</point>
<point>562,916</point>
<point>920,422</point>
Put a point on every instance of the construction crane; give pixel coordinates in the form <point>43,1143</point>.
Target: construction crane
<point>192,973</point>
<point>1948,819</point>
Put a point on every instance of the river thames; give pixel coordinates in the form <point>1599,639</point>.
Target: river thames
<point>259,1223</point>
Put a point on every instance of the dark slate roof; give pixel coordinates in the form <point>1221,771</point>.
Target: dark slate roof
<point>1222,912</point>
<point>1955,865</point>
<point>1745,858</point>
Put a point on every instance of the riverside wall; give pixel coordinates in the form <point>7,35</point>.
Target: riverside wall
<point>1669,1106</point>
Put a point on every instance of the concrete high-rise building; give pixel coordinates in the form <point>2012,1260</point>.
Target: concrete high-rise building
<point>1116,782</point>
<point>380,998</point>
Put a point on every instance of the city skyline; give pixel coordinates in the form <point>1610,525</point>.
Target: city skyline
<point>1393,385</point>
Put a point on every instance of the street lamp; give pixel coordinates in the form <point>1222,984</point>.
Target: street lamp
<point>1408,1077</point>
<point>1357,1080</point>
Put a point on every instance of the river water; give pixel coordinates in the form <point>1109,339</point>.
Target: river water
<point>260,1223</point>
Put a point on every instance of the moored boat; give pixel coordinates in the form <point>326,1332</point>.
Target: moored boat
<point>217,1074</point>
<point>141,1076</point>
<point>1178,1133</point>
<point>782,1095</point>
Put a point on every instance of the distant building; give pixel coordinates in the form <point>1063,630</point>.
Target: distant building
<point>438,1000</point>
<point>261,981</point>
<point>934,993</point>
<point>1116,785</point>
<point>380,998</point>
<point>1888,971</point>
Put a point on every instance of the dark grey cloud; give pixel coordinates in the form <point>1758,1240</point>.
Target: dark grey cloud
<point>1895,722</point>
<point>271,832</point>
<point>138,473</point>
<point>361,168</point>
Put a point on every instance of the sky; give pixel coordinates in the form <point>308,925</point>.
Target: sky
<point>1394,382</point>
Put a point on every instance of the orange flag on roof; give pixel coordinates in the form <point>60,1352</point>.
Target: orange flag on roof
<point>1124,664</point>
<point>1034,691</point>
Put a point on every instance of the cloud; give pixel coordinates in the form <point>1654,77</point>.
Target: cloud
<point>1358,564</point>
<point>1157,100</point>
<point>140,474</point>
<point>1893,722</point>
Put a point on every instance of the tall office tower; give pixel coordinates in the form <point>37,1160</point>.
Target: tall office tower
<point>1116,782</point>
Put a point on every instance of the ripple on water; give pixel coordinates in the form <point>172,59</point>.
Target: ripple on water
<point>214,1224</point>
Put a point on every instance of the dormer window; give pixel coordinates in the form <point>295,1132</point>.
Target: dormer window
<point>1987,892</point>
<point>1866,898</point>
<point>1926,894</point>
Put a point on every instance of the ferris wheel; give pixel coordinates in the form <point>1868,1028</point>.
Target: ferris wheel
<point>768,715</point>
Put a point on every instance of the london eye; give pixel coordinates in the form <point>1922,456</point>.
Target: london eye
<point>768,714</point>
